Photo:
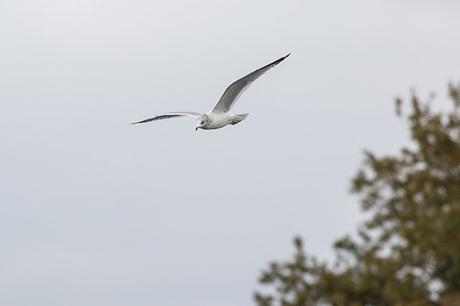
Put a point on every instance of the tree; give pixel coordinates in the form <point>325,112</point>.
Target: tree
<point>408,250</point>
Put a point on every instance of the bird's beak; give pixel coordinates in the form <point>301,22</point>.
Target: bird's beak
<point>196,129</point>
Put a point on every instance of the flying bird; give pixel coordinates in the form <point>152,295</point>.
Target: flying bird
<point>219,116</point>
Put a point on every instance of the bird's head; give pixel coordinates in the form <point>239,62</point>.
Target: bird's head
<point>202,122</point>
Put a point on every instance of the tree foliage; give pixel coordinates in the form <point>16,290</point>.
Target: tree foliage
<point>409,247</point>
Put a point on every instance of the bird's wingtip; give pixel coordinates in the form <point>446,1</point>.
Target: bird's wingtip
<point>280,59</point>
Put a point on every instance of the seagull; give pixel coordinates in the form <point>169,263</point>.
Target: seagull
<point>219,116</point>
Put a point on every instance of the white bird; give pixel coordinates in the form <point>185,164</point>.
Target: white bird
<point>219,116</point>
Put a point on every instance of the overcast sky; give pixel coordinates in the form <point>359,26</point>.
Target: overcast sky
<point>96,212</point>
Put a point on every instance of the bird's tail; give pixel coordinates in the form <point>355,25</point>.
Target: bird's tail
<point>243,116</point>
<point>238,118</point>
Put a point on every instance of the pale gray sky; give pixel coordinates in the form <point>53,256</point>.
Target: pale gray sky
<point>97,212</point>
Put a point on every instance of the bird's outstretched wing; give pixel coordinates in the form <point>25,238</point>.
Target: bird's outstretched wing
<point>236,89</point>
<point>169,115</point>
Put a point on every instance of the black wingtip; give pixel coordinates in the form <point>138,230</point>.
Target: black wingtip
<point>278,60</point>
<point>137,122</point>
<point>284,57</point>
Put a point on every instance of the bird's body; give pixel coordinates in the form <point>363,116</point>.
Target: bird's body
<point>220,116</point>
<point>214,121</point>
